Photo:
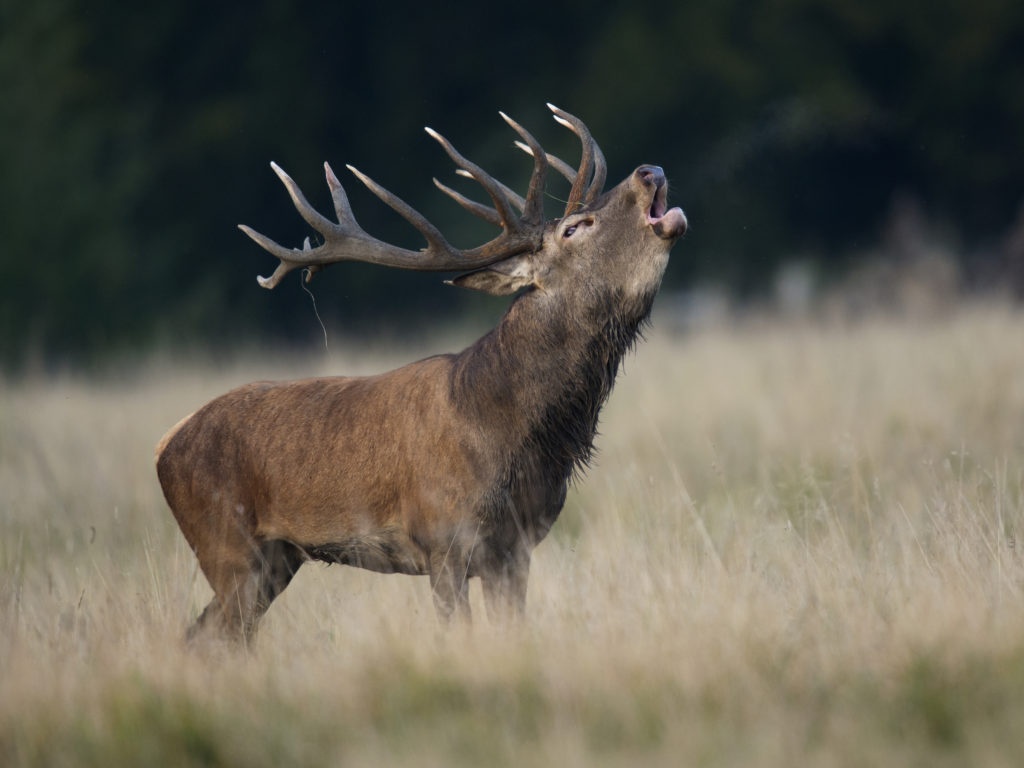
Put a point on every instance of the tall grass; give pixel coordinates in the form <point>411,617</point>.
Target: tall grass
<point>798,546</point>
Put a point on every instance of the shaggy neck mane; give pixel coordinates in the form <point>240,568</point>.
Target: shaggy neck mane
<point>546,374</point>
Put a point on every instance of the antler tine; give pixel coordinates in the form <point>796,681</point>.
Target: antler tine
<point>582,192</point>
<point>563,168</point>
<point>347,241</point>
<point>287,256</point>
<point>600,173</point>
<point>477,209</point>
<point>578,186</point>
<point>432,234</point>
<point>493,188</point>
<point>512,195</point>
<point>341,205</point>
<point>533,211</point>
<point>313,217</point>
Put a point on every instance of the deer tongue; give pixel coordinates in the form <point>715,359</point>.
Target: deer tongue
<point>670,225</point>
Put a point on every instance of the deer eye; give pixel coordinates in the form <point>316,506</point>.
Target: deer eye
<point>572,228</point>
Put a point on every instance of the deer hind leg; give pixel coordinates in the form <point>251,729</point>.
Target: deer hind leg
<point>245,579</point>
<point>504,586</point>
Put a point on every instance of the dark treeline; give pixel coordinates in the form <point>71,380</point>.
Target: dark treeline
<point>135,138</point>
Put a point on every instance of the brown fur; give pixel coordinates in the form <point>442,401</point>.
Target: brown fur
<point>454,466</point>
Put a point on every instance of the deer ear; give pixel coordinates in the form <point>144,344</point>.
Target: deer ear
<point>499,279</point>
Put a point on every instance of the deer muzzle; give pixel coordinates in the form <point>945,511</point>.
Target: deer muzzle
<point>667,223</point>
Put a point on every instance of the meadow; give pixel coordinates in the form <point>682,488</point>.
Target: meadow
<point>799,545</point>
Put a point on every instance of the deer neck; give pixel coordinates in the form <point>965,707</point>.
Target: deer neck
<point>543,374</point>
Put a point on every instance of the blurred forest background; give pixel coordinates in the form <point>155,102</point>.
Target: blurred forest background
<point>812,143</point>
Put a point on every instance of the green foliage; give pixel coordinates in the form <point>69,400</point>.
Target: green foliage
<point>929,711</point>
<point>136,138</point>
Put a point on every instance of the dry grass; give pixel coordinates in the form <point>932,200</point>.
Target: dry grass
<point>799,547</point>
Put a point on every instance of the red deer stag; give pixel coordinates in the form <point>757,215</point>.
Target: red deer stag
<point>454,466</point>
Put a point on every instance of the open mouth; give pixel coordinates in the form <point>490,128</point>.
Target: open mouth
<point>659,204</point>
<point>668,223</point>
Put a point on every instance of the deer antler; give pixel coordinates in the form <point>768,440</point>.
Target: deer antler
<point>592,158</point>
<point>521,220</point>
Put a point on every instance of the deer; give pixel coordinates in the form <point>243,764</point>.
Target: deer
<point>455,466</point>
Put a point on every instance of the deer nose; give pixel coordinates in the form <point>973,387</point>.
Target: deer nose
<point>651,174</point>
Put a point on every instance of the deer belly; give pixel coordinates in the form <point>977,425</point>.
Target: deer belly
<point>385,551</point>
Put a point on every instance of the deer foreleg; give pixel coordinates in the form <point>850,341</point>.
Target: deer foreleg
<point>505,588</point>
<point>449,583</point>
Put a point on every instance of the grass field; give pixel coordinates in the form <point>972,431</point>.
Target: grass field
<point>799,545</point>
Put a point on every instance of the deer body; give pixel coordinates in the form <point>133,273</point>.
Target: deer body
<point>455,466</point>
